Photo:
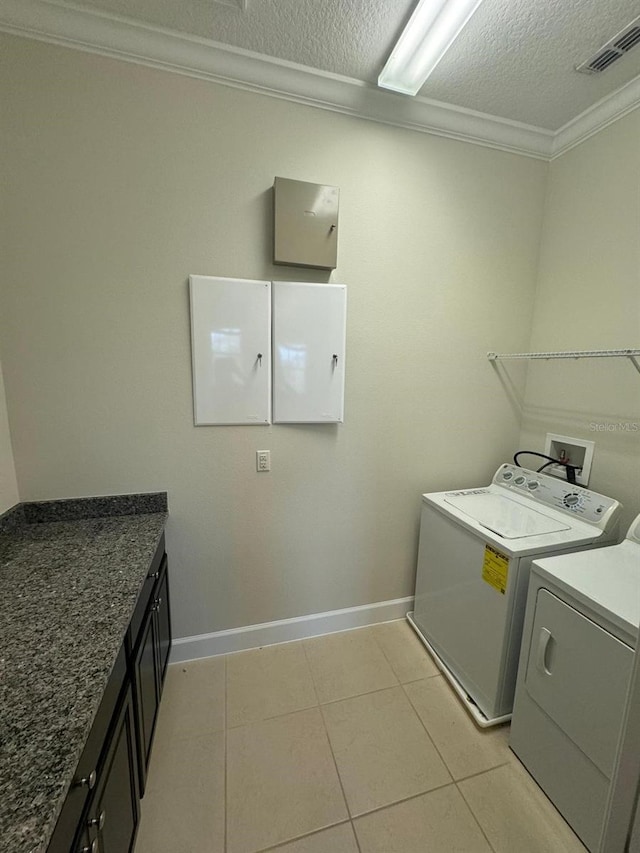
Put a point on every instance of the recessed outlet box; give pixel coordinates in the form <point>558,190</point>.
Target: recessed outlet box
<point>574,451</point>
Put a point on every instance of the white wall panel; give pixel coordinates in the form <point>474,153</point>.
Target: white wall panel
<point>230,335</point>
<point>309,335</point>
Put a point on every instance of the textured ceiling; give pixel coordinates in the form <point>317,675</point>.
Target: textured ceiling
<point>515,59</point>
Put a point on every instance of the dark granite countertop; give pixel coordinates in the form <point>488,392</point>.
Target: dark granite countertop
<point>70,576</point>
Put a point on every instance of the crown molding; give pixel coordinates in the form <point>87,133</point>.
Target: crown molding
<point>127,40</point>
<point>596,118</point>
<point>124,39</point>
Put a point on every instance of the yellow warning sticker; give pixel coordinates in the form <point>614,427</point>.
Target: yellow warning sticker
<point>495,569</point>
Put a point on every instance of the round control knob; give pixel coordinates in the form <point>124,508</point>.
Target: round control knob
<point>520,481</point>
<point>507,475</point>
<point>532,485</point>
<point>571,499</point>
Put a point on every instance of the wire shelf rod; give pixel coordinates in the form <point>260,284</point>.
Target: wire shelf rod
<point>596,353</point>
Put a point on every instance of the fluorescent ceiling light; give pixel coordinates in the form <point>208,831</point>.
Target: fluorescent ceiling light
<point>432,29</point>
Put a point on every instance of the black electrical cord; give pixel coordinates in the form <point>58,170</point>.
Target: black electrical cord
<point>570,469</point>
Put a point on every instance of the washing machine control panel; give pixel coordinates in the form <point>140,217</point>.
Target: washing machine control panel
<point>567,497</point>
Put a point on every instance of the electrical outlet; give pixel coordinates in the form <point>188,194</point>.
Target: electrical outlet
<point>263,460</point>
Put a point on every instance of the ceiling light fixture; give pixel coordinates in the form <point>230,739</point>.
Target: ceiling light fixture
<point>432,29</point>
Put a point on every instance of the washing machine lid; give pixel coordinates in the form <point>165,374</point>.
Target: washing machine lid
<point>508,518</point>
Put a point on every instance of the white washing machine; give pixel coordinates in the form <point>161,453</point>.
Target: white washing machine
<point>476,549</point>
<point>581,629</point>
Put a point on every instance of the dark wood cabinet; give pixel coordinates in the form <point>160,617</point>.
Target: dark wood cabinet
<point>164,624</point>
<point>150,658</point>
<point>112,818</point>
<point>101,811</point>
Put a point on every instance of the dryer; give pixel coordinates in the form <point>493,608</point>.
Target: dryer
<point>581,630</point>
<point>476,549</point>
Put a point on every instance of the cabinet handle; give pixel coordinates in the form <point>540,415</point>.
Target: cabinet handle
<point>89,781</point>
<point>98,821</point>
<point>93,848</point>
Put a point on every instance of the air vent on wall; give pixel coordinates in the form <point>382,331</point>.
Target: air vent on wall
<point>613,50</point>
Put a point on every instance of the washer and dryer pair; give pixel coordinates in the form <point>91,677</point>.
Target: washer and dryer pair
<point>532,541</point>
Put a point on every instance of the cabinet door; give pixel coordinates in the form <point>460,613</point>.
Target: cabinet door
<point>578,673</point>
<point>146,692</point>
<point>86,842</point>
<point>309,329</point>
<point>163,617</point>
<point>83,786</point>
<point>114,811</point>
<point>230,332</point>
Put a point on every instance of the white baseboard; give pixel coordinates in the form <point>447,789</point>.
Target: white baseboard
<point>285,630</point>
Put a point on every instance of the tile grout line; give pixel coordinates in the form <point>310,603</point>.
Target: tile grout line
<point>300,837</point>
<point>455,781</point>
<point>355,835</point>
<point>390,662</point>
<point>351,818</point>
<point>384,654</point>
<point>310,707</point>
<point>403,800</point>
<point>431,740</point>
<point>310,668</point>
<point>326,734</point>
<point>481,772</point>
<point>393,687</point>
<point>473,814</point>
<point>442,758</point>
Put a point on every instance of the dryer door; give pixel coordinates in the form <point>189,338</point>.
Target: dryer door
<point>578,673</point>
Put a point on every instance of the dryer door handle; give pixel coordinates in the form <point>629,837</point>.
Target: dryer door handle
<point>543,645</point>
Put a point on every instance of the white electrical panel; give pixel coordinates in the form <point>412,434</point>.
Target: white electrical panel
<point>230,346</point>
<point>309,334</point>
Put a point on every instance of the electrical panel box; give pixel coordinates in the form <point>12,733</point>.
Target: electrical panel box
<point>305,224</point>
<point>231,350</point>
<point>309,334</point>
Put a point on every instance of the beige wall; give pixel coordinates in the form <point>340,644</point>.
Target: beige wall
<point>8,485</point>
<point>120,182</point>
<point>588,297</point>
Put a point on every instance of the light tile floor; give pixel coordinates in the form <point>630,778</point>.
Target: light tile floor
<point>350,743</point>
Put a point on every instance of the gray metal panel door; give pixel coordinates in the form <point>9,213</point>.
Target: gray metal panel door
<point>578,673</point>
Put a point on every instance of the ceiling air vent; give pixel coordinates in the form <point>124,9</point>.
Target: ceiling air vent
<point>613,50</point>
